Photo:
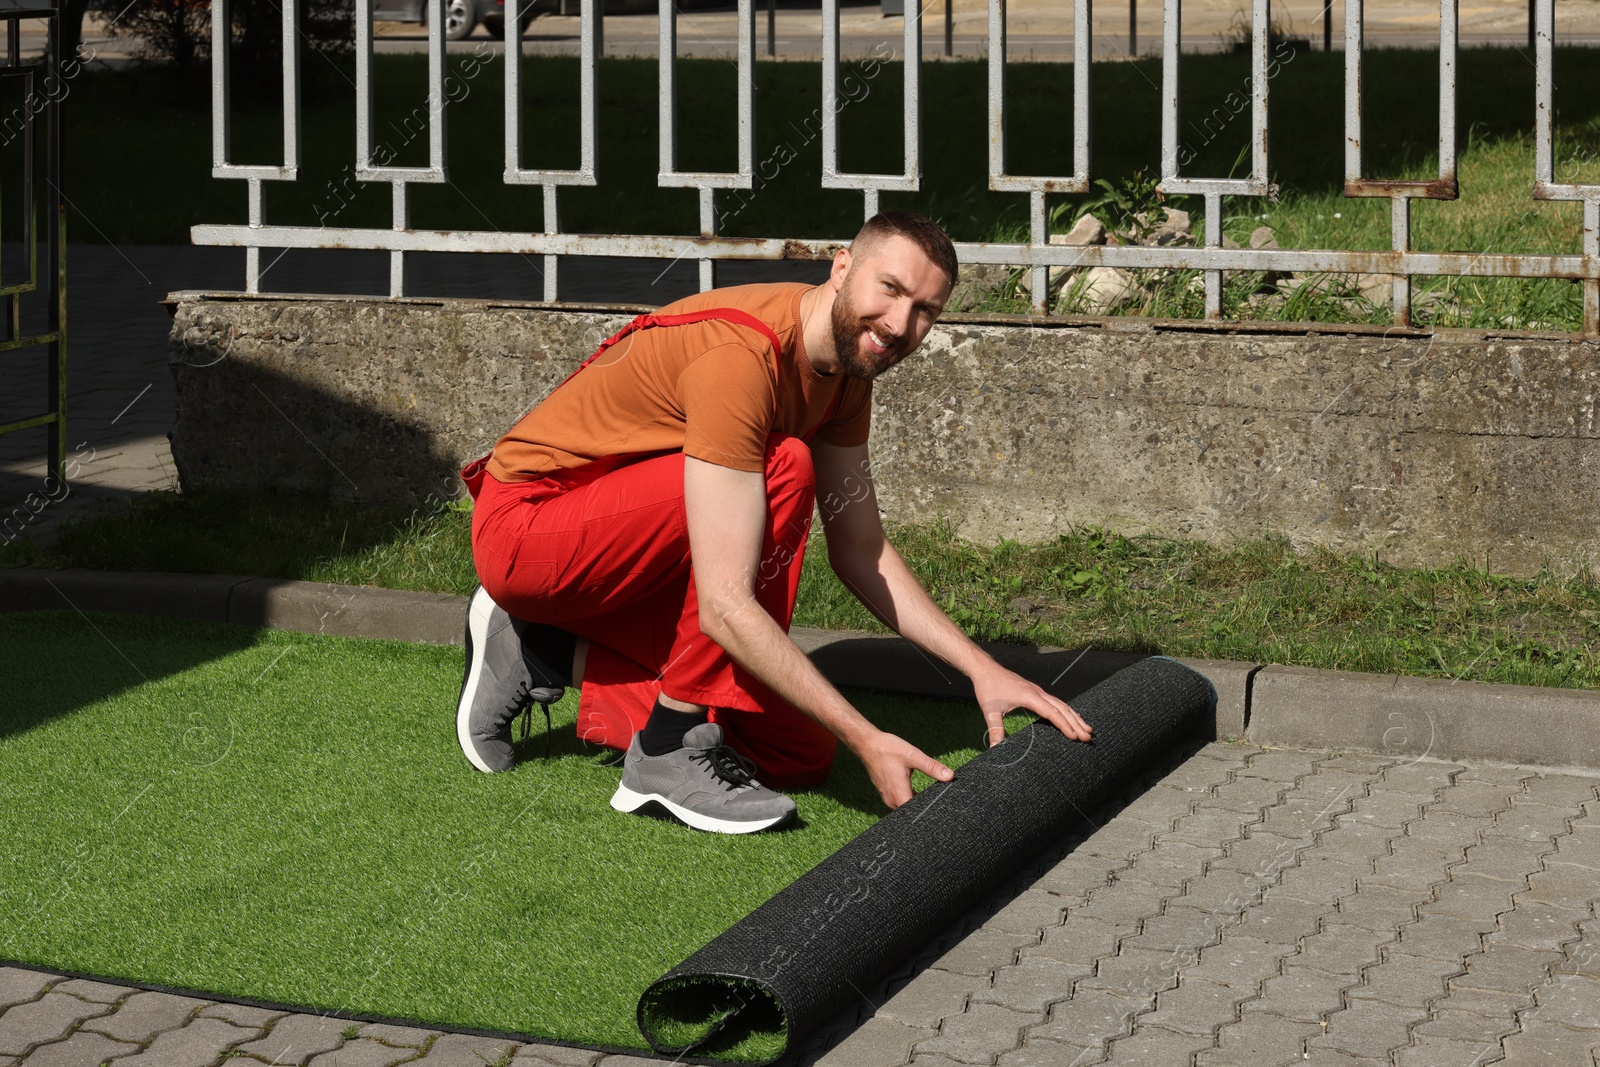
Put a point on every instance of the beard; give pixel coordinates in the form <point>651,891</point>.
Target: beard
<point>847,326</point>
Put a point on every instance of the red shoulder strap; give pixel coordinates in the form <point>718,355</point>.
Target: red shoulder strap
<point>645,322</point>
<point>742,318</point>
<point>733,315</point>
<point>473,473</point>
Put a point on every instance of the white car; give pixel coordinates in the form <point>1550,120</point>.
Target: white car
<point>461,17</point>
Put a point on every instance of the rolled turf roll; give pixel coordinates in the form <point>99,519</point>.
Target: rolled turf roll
<point>800,958</point>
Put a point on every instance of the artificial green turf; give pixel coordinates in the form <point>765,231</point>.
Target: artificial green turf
<point>287,817</point>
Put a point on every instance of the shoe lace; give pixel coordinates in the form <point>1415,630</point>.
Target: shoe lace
<point>732,769</point>
<point>523,704</point>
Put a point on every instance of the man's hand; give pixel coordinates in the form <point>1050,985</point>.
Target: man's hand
<point>890,760</point>
<point>1000,691</point>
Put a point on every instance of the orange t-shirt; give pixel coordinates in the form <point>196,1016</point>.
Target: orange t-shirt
<point>714,390</point>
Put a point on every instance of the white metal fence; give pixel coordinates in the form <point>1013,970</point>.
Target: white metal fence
<point>1211,258</point>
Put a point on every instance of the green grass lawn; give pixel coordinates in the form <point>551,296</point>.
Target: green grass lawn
<point>1259,601</point>
<point>287,817</point>
<point>134,136</point>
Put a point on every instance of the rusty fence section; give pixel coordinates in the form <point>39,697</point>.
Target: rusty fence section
<point>1211,258</point>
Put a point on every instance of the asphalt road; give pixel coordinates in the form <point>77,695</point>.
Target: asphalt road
<point>1036,29</point>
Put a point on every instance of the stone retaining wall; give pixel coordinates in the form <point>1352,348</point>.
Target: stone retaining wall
<point>1424,448</point>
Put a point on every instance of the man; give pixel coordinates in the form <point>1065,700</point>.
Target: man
<point>640,532</point>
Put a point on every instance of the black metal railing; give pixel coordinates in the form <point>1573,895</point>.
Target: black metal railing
<point>21,279</point>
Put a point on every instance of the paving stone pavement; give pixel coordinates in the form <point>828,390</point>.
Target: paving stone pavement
<point>1248,907</point>
<point>1261,908</point>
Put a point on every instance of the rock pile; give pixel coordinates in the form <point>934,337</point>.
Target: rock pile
<point>1103,290</point>
<point>1109,290</point>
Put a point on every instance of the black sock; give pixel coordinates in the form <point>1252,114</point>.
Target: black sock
<point>663,731</point>
<point>553,647</point>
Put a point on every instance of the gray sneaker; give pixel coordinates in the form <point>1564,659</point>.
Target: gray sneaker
<point>704,784</point>
<point>500,681</point>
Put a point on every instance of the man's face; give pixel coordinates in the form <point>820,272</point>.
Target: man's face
<point>890,293</point>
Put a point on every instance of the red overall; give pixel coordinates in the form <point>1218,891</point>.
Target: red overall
<point>602,551</point>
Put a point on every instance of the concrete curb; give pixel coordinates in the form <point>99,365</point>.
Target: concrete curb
<point>349,610</point>
<point>868,661</point>
<point>1417,717</point>
<point>276,603</point>
<point>1275,705</point>
<point>202,597</point>
<point>881,661</point>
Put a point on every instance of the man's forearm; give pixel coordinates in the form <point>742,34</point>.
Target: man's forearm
<point>889,589</point>
<point>758,644</point>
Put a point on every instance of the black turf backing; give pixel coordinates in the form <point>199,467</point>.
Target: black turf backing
<point>794,962</point>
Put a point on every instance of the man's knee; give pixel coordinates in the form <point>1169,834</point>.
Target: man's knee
<point>789,464</point>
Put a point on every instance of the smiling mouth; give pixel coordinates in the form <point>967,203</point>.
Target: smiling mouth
<point>879,344</point>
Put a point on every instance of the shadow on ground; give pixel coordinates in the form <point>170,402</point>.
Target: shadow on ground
<point>57,662</point>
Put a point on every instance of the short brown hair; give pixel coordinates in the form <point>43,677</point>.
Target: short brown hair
<point>922,232</point>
